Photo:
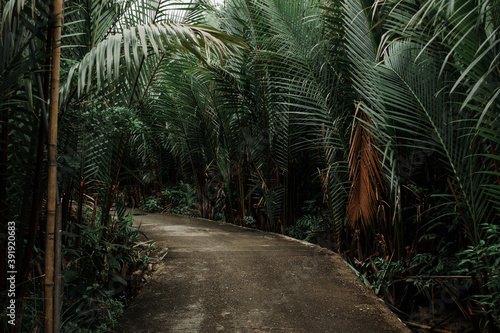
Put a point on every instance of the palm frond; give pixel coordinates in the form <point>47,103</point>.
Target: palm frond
<point>365,174</point>
<point>106,57</point>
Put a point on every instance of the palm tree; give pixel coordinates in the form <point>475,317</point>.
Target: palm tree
<point>267,114</point>
<point>425,77</point>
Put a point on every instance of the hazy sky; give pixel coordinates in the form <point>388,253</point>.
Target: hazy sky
<point>218,1</point>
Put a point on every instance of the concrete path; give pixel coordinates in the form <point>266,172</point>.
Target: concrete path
<point>218,277</point>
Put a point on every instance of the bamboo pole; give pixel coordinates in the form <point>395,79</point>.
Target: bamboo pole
<point>56,11</point>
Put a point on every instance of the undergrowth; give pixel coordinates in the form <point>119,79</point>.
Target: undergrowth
<point>176,199</point>
<point>98,265</point>
<point>309,224</point>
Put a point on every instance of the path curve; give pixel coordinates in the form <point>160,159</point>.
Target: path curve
<point>217,277</point>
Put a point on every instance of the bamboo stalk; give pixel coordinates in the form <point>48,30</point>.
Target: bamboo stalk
<point>56,11</point>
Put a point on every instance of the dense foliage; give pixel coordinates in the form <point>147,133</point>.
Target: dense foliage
<point>371,127</point>
<point>110,55</point>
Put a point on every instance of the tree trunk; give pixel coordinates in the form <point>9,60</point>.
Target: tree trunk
<point>56,11</point>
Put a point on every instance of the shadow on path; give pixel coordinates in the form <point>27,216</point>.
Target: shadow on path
<point>218,277</point>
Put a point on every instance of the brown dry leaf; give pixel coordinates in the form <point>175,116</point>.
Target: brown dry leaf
<point>364,174</point>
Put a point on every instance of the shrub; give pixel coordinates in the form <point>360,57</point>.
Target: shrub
<point>97,274</point>
<point>152,205</point>
<point>308,225</point>
<point>179,199</point>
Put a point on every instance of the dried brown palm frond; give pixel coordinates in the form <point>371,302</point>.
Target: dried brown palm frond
<point>364,173</point>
